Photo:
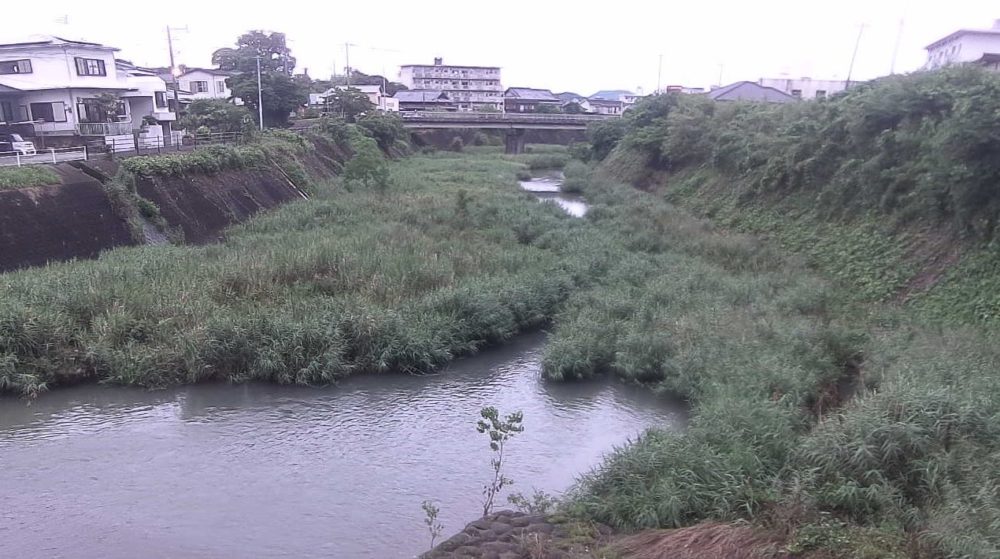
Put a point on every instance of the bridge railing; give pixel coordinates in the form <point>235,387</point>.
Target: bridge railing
<point>470,116</point>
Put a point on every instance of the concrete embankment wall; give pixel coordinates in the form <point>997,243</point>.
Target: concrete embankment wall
<point>203,206</point>
<point>74,219</point>
<point>77,219</point>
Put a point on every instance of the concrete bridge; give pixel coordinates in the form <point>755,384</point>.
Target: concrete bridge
<point>514,123</point>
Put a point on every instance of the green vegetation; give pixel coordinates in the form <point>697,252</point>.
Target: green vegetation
<point>500,430</point>
<point>859,427</point>
<point>349,103</point>
<point>899,171</point>
<point>281,94</point>
<point>23,177</point>
<point>434,526</point>
<point>215,115</point>
<point>347,282</point>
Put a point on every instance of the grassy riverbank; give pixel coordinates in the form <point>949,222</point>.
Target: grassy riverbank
<point>351,281</point>
<point>858,417</point>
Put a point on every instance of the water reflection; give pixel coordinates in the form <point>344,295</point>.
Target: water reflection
<point>259,470</point>
<point>548,188</point>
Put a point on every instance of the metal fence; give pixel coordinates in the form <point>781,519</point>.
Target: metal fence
<point>43,157</point>
<point>125,147</point>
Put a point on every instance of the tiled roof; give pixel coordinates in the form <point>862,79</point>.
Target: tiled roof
<point>531,94</point>
<point>750,91</point>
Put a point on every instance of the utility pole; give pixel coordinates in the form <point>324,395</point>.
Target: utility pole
<point>173,69</point>
<point>260,97</point>
<point>347,58</point>
<point>895,49</point>
<point>659,74</point>
<point>850,71</point>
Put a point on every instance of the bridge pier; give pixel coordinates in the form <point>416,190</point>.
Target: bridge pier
<point>514,141</point>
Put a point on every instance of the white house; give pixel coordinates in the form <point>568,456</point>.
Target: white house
<point>980,46</point>
<point>805,88</point>
<point>49,88</point>
<point>374,93</point>
<point>205,83</point>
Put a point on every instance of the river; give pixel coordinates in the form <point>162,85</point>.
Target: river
<point>255,470</point>
<point>547,187</point>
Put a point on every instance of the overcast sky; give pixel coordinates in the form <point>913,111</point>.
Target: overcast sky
<point>579,46</point>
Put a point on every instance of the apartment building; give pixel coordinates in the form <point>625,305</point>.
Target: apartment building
<point>472,88</point>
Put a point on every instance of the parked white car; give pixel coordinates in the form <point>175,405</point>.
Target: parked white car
<point>14,142</point>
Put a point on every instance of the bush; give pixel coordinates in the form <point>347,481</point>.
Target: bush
<point>456,144</point>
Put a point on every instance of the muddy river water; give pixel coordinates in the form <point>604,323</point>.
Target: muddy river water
<point>219,471</point>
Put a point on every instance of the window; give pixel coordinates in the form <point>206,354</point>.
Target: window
<point>90,67</point>
<point>48,112</point>
<point>199,87</point>
<point>797,93</point>
<point>821,94</point>
<point>220,87</point>
<point>15,67</point>
<point>160,98</point>
<point>6,111</point>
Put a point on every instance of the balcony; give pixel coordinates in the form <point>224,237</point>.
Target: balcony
<point>103,128</point>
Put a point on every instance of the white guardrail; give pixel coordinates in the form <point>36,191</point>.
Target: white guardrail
<point>42,156</point>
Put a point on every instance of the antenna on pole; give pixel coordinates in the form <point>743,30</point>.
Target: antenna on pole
<point>850,70</point>
<point>174,71</point>
<point>659,74</point>
<point>260,97</point>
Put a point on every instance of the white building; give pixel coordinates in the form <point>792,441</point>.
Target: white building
<point>805,88</point>
<point>471,87</point>
<point>374,93</point>
<point>964,46</point>
<point>204,83</point>
<point>49,89</point>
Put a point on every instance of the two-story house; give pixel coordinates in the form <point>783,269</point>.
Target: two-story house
<point>50,89</point>
<point>205,83</point>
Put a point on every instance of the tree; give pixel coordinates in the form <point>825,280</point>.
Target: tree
<point>604,136</point>
<point>108,106</point>
<point>272,48</point>
<point>499,430</point>
<point>360,78</point>
<point>368,166</point>
<point>281,95</point>
<point>572,108</point>
<point>349,103</point>
<point>545,108</point>
<point>386,128</point>
<point>215,114</point>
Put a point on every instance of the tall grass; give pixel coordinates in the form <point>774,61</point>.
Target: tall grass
<point>22,177</point>
<point>768,353</point>
<point>344,283</point>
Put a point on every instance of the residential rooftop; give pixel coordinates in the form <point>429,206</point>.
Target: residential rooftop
<point>992,32</point>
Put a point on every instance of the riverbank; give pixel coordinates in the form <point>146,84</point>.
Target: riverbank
<point>894,458</point>
<point>351,281</point>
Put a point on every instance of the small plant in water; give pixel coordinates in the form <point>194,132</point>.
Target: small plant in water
<point>434,526</point>
<point>500,430</point>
